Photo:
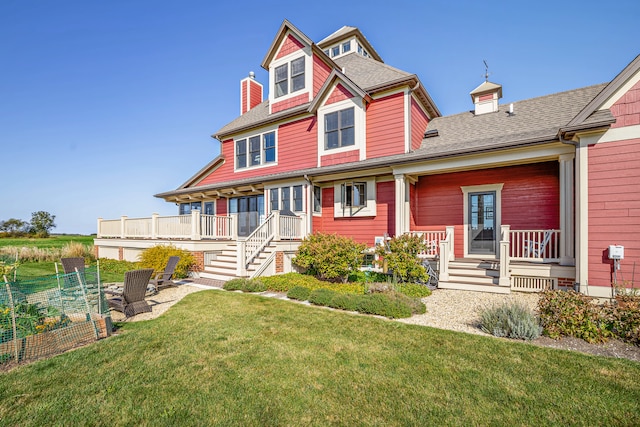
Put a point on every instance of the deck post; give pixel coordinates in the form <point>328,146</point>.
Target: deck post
<point>99,228</point>
<point>450,236</point>
<point>123,226</point>
<point>276,225</point>
<point>195,225</point>
<point>240,258</point>
<point>567,253</point>
<point>505,278</point>
<point>154,225</point>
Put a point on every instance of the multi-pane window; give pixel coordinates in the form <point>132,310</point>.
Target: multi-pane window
<point>317,199</point>
<point>335,51</point>
<point>339,129</point>
<point>297,198</point>
<point>273,197</point>
<point>261,150</point>
<point>285,198</point>
<point>354,194</point>
<point>346,47</point>
<point>295,69</point>
<point>241,154</point>
<point>282,80</point>
<point>186,208</point>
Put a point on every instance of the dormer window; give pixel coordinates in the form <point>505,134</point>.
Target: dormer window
<point>282,81</point>
<point>255,151</point>
<point>338,129</point>
<point>346,47</point>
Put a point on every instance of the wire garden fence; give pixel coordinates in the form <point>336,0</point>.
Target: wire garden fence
<point>43,316</point>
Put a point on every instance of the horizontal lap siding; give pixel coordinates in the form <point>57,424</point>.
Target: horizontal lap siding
<point>320,73</point>
<point>296,149</point>
<point>340,93</point>
<point>385,126</point>
<point>221,207</point>
<point>256,94</point>
<point>614,208</point>
<point>290,45</point>
<point>627,109</point>
<point>419,122</point>
<point>530,198</point>
<point>290,102</point>
<point>361,229</point>
<point>344,157</point>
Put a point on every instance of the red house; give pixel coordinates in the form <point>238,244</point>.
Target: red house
<point>522,196</point>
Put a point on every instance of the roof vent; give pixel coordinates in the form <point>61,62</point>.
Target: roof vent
<point>485,97</point>
<point>431,133</point>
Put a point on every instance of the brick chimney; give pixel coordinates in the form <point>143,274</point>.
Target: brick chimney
<point>485,97</point>
<point>250,93</point>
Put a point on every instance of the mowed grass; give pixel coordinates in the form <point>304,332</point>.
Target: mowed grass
<point>48,268</point>
<point>224,358</point>
<point>54,241</point>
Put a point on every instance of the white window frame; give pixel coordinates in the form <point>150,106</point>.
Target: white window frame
<point>277,188</point>
<point>359,126</point>
<point>247,137</point>
<point>342,210</point>
<point>313,197</point>
<point>287,59</point>
<point>497,188</point>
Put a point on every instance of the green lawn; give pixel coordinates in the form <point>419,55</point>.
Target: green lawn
<point>224,358</point>
<point>44,268</point>
<point>55,241</point>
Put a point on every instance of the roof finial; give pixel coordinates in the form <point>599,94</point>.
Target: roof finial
<point>486,70</point>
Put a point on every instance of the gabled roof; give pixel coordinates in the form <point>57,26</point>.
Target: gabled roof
<point>534,120</point>
<point>628,72</point>
<point>328,84</point>
<point>486,87</point>
<point>345,33</point>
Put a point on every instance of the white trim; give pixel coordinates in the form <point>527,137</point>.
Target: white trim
<point>370,209</point>
<point>359,127</point>
<point>621,92</point>
<point>308,72</point>
<point>582,213</point>
<point>260,132</point>
<point>620,134</point>
<point>497,217</point>
<point>407,121</point>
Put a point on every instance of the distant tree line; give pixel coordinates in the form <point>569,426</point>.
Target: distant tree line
<point>40,226</point>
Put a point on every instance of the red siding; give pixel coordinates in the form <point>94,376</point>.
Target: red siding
<point>385,126</point>
<point>486,97</point>
<point>419,122</point>
<point>320,73</point>
<point>614,206</point>
<point>627,109</point>
<point>243,97</point>
<point>221,207</point>
<point>344,157</point>
<point>297,148</point>
<point>256,94</point>
<point>340,93</point>
<point>530,198</point>
<point>362,229</point>
<point>290,102</point>
<point>290,45</point>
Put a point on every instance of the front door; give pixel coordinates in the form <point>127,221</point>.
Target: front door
<point>482,223</point>
<point>250,213</point>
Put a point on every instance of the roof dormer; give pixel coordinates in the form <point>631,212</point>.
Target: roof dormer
<point>485,97</point>
<point>347,40</point>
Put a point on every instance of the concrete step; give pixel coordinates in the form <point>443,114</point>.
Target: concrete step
<point>216,276</point>
<point>473,287</point>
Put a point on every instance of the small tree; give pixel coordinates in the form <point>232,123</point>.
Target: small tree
<point>42,223</point>
<point>401,254</point>
<point>330,256</point>
<point>13,226</point>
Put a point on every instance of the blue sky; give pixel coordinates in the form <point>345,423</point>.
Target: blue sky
<point>103,104</point>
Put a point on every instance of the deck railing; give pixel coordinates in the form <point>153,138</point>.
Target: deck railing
<point>193,227</point>
<point>535,245</point>
<point>433,239</point>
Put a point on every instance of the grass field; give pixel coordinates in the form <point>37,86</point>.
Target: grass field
<point>55,241</point>
<point>223,358</point>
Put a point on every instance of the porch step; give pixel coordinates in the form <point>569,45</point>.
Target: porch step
<point>224,267</point>
<point>474,275</point>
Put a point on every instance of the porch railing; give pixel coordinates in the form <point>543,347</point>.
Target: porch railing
<point>194,227</point>
<point>534,245</point>
<point>433,239</point>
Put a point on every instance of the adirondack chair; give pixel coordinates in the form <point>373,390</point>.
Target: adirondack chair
<point>163,279</point>
<point>69,265</point>
<point>536,249</point>
<point>131,300</point>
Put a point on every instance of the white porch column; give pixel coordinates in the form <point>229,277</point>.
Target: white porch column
<point>450,236</point>
<point>567,252</point>
<point>402,204</point>
<point>123,226</point>
<point>154,225</point>
<point>98,229</point>
<point>582,215</point>
<point>195,225</point>
<point>276,225</point>
<point>240,258</point>
<point>505,274</point>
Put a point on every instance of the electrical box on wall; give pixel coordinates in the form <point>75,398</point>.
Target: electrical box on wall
<point>616,252</point>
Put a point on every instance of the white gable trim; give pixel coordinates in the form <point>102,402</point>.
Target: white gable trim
<point>621,91</point>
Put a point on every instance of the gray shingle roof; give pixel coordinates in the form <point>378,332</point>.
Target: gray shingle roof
<point>536,118</point>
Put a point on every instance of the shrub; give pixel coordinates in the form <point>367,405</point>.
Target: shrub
<point>569,313</point>
<point>329,256</point>
<point>156,257</point>
<point>401,256</point>
<point>244,285</point>
<point>321,296</point>
<point>413,290</point>
<point>624,318</point>
<point>344,302</point>
<point>285,282</point>
<point>382,305</point>
<point>299,293</point>
<point>510,320</point>
<point>416,306</point>
<point>116,266</point>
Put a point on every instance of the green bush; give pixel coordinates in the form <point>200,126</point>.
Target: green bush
<point>321,296</point>
<point>299,293</point>
<point>156,257</point>
<point>344,302</point>
<point>624,318</point>
<point>569,313</point>
<point>414,290</point>
<point>510,320</point>
<point>116,266</point>
<point>330,256</point>
<point>244,285</point>
<point>285,282</point>
<point>401,257</point>
<point>382,305</point>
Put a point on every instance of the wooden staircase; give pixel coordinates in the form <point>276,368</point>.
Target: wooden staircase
<point>474,275</point>
<point>224,267</point>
